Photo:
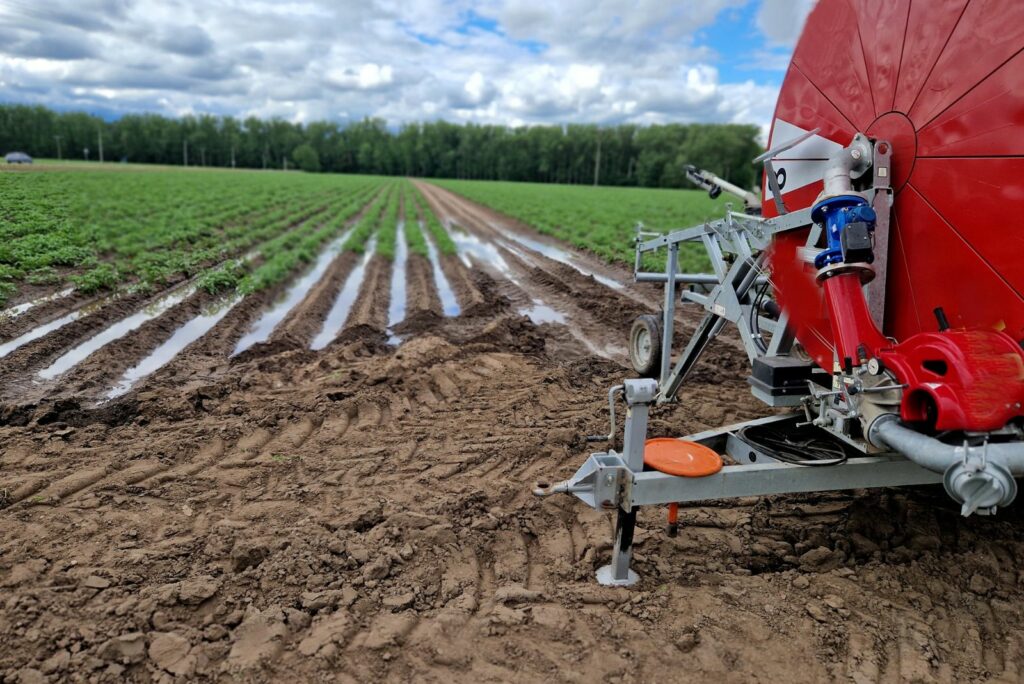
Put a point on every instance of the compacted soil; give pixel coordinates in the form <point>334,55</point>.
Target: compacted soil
<point>363,512</point>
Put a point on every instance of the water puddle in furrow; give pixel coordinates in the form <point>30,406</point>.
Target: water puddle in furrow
<point>18,309</point>
<point>86,310</point>
<point>264,327</point>
<point>56,324</point>
<point>336,317</point>
<point>556,254</point>
<point>182,337</point>
<point>472,249</point>
<point>118,330</point>
<point>540,312</point>
<point>520,254</point>
<point>449,303</point>
<point>397,303</point>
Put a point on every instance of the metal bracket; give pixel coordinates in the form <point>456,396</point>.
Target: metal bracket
<point>759,479</point>
<point>596,483</point>
<point>769,170</point>
<point>882,204</point>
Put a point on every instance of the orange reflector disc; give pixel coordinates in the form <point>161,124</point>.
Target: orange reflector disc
<point>681,458</point>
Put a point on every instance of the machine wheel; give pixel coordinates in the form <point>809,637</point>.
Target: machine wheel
<point>645,345</point>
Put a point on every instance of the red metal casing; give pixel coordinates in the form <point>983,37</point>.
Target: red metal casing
<point>963,379</point>
<point>944,82</point>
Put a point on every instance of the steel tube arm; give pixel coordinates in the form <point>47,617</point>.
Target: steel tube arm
<point>937,456</point>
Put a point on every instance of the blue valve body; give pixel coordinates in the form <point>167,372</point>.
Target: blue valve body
<point>836,213</point>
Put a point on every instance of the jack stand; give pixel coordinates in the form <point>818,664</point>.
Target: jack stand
<point>618,574</point>
<point>639,396</point>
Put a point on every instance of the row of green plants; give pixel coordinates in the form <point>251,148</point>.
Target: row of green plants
<point>437,231</point>
<point>387,234</point>
<point>111,227</point>
<point>413,235</point>
<point>370,221</point>
<point>276,224</point>
<point>281,256</point>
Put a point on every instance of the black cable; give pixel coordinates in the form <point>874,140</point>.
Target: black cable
<point>755,313</point>
<point>794,448</point>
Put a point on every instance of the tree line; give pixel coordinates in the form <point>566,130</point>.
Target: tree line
<point>648,156</point>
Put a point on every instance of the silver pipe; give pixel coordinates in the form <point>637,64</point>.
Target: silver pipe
<point>937,456</point>
<point>843,163</point>
<point>668,312</point>
<point>837,173</point>
<point>684,278</point>
<point>748,197</point>
<point>681,278</point>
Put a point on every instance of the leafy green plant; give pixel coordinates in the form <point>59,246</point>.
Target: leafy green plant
<point>44,276</point>
<point>413,235</point>
<point>222,278</point>
<point>102,277</point>
<point>438,232</point>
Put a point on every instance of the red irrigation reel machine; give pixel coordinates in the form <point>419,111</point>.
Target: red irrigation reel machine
<point>877,287</point>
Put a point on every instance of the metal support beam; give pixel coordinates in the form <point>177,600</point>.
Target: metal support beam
<point>681,278</point>
<point>881,203</point>
<point>756,474</point>
<point>760,479</point>
<point>668,312</point>
<point>725,303</point>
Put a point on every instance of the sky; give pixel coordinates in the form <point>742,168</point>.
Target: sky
<point>509,62</point>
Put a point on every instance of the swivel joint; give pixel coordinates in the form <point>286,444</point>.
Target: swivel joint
<point>848,222</point>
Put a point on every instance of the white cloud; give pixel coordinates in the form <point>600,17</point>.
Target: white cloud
<point>580,77</point>
<point>364,76</point>
<point>514,62</point>
<point>475,87</point>
<point>782,20</point>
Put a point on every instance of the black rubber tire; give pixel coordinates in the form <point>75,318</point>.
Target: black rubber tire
<point>645,345</point>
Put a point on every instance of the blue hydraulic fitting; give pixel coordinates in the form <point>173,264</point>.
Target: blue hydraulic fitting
<point>838,213</point>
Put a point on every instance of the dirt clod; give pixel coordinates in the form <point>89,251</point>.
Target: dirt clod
<point>125,649</point>
<point>194,591</point>
<point>170,651</point>
<point>248,554</point>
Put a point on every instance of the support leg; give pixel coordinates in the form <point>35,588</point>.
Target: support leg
<point>672,528</point>
<point>639,395</point>
<point>618,574</point>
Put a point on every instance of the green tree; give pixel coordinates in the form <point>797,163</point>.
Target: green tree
<point>306,158</point>
<point>649,156</point>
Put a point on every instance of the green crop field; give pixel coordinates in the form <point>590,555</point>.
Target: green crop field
<point>600,219</point>
<point>101,227</point>
<point>133,226</point>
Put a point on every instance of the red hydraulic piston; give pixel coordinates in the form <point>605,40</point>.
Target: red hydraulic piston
<point>852,325</point>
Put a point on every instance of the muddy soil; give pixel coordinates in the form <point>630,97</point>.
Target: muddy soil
<point>363,513</point>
